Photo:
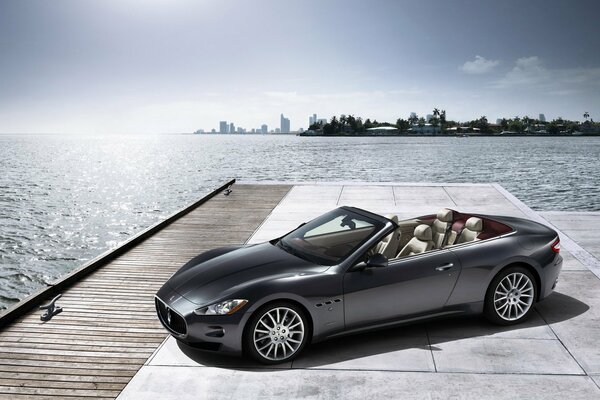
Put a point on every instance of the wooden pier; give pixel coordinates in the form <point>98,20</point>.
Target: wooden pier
<point>109,328</point>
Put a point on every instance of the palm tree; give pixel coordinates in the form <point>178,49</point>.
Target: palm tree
<point>586,115</point>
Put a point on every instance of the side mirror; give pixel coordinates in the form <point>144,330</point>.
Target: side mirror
<point>377,260</point>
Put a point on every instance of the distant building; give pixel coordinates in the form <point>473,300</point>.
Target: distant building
<point>240,130</point>
<point>223,127</point>
<point>213,130</point>
<point>312,119</point>
<point>199,131</point>
<point>277,130</point>
<point>264,128</point>
<point>231,128</point>
<point>285,124</point>
<point>498,121</point>
<point>382,130</point>
<point>428,117</point>
<point>413,114</point>
<point>542,118</point>
<point>426,129</point>
<point>322,121</point>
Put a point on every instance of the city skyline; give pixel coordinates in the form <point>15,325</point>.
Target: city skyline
<point>160,67</point>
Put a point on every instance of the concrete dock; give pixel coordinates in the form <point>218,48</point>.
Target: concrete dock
<point>108,342</point>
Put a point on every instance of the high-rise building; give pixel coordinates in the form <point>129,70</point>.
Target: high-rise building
<point>240,129</point>
<point>322,121</point>
<point>542,118</point>
<point>264,128</point>
<point>285,124</point>
<point>312,119</point>
<point>429,116</point>
<point>498,121</point>
<point>413,114</point>
<point>231,128</point>
<point>223,127</point>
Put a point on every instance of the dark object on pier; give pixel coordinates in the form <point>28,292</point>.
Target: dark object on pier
<point>51,309</point>
<point>227,191</point>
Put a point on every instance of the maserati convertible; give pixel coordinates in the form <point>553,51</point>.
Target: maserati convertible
<point>351,270</point>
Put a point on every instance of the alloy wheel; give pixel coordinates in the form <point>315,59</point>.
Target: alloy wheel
<point>278,334</point>
<point>513,296</point>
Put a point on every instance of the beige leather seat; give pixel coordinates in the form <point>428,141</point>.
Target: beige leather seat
<point>440,227</point>
<point>472,229</point>
<point>420,243</point>
<point>388,246</point>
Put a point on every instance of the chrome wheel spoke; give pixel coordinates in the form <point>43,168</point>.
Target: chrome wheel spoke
<point>295,325</point>
<point>272,319</point>
<point>264,347</point>
<point>265,325</point>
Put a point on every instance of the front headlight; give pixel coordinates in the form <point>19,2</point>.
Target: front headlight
<point>226,307</point>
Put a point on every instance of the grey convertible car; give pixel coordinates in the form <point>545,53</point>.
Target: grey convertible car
<point>351,270</point>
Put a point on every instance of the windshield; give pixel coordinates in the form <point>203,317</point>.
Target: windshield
<point>330,238</point>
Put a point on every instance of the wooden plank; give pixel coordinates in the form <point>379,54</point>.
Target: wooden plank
<point>108,327</point>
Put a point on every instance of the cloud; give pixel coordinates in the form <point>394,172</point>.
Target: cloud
<point>531,73</point>
<point>480,65</point>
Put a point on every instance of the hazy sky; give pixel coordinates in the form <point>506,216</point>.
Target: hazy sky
<point>115,66</point>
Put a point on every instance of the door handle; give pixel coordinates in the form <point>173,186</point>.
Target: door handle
<point>444,267</point>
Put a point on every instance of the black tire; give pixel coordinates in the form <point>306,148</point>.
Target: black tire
<point>249,333</point>
<point>491,312</point>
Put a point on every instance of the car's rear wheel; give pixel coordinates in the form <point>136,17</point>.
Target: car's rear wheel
<point>277,333</point>
<point>510,296</point>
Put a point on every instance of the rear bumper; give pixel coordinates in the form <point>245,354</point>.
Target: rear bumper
<point>550,274</point>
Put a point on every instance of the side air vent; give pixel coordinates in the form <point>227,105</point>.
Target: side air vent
<point>328,302</point>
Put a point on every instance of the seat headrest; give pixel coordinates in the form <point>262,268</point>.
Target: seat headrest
<point>445,215</point>
<point>393,217</point>
<point>474,224</point>
<point>423,232</point>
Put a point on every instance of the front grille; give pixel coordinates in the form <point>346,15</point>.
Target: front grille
<point>170,319</point>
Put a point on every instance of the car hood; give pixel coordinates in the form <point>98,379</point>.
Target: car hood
<point>212,279</point>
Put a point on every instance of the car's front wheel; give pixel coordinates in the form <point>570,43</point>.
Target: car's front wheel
<point>276,333</point>
<point>510,296</point>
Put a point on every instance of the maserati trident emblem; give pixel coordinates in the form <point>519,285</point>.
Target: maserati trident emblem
<point>168,316</point>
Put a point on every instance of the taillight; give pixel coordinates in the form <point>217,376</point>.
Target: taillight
<point>556,245</point>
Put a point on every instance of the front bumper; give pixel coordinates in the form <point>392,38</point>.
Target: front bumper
<point>207,332</point>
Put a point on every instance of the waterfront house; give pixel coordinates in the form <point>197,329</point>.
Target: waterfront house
<point>425,129</point>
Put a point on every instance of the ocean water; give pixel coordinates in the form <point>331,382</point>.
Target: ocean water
<point>66,199</point>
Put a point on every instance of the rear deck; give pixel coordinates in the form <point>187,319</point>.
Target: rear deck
<point>108,332</point>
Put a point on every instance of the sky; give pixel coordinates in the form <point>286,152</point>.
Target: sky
<point>170,66</point>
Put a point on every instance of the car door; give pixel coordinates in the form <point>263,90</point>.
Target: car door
<point>409,285</point>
